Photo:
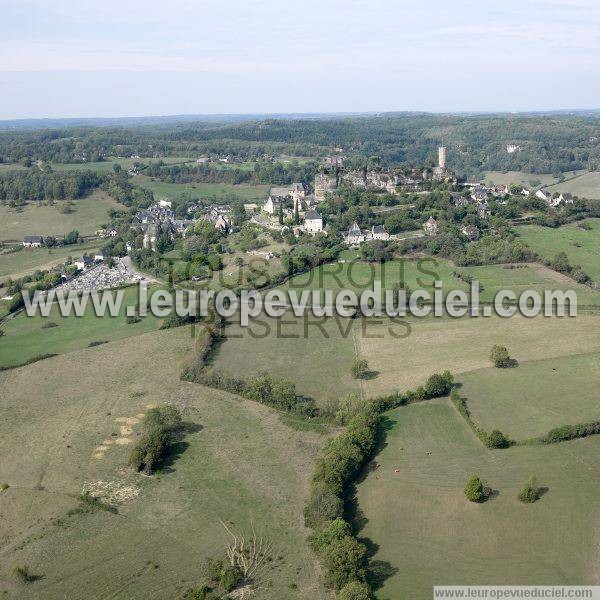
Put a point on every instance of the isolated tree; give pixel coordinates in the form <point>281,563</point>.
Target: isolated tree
<point>296,214</point>
<point>500,357</point>
<point>475,490</point>
<point>280,213</point>
<point>496,439</point>
<point>438,385</point>
<point>529,492</point>
<point>360,368</point>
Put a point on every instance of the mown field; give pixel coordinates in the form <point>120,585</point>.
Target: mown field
<point>220,191</point>
<point>28,337</point>
<point>580,245</point>
<point>424,532</point>
<point>317,354</point>
<point>351,273</point>
<point>586,185</point>
<point>536,396</point>
<point>86,216</point>
<point>69,424</point>
<point>520,178</point>
<point>27,260</point>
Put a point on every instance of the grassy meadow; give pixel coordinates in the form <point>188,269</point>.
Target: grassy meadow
<point>585,185</point>
<point>543,393</point>
<point>86,216</point>
<point>423,531</point>
<point>580,245</point>
<point>69,424</point>
<point>27,260</point>
<point>220,191</point>
<point>520,178</point>
<point>27,337</point>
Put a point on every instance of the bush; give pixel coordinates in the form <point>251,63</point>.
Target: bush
<point>23,574</point>
<point>355,590</point>
<point>496,439</point>
<point>500,357</point>
<point>4,486</point>
<point>346,561</point>
<point>324,505</point>
<point>530,492</point>
<point>438,385</point>
<point>132,319</point>
<point>475,490</point>
<point>162,425</point>
<point>336,530</point>
<point>360,368</point>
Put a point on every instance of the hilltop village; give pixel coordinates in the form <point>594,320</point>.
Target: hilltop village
<point>344,204</point>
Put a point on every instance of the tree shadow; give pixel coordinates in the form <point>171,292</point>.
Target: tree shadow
<point>491,494</point>
<point>178,447</point>
<point>542,491</point>
<point>379,571</point>
<point>370,375</point>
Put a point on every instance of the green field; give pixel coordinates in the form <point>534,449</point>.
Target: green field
<point>25,337</point>
<point>537,396</point>
<point>27,260</point>
<point>586,185</point>
<point>581,246</point>
<point>221,191</point>
<point>426,533</point>
<point>313,353</point>
<point>519,178</point>
<point>87,215</point>
<point>106,165</point>
<point>69,422</point>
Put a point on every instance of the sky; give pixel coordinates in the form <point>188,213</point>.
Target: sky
<point>87,58</point>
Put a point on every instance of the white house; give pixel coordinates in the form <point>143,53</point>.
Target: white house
<point>543,195</point>
<point>566,198</point>
<point>313,221</point>
<point>85,262</point>
<point>431,226</point>
<point>378,232</point>
<point>355,236</point>
<point>164,203</point>
<point>33,241</point>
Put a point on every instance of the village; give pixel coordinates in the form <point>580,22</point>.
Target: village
<point>299,209</point>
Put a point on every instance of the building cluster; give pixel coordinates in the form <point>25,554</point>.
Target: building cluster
<point>356,235</point>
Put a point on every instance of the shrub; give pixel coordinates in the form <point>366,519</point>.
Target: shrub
<point>4,486</point>
<point>204,592</point>
<point>529,492</point>
<point>360,368</point>
<point>346,561</point>
<point>49,325</point>
<point>500,357</point>
<point>23,574</point>
<point>438,385</point>
<point>355,590</point>
<point>162,425</point>
<point>475,490</point>
<point>336,530</point>
<point>496,439</point>
<point>132,319</point>
<point>323,505</point>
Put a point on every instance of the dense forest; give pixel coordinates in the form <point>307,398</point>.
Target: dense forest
<point>19,187</point>
<point>476,143</point>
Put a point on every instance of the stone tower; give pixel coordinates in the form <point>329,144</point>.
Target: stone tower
<point>442,157</point>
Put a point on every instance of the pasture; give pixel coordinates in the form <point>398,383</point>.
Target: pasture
<point>317,353</point>
<point>585,185</point>
<point>520,178</point>
<point>86,216</point>
<point>27,260</point>
<point>413,512</point>
<point>69,423</point>
<point>536,396</point>
<point>581,246</point>
<point>27,337</point>
<point>218,191</point>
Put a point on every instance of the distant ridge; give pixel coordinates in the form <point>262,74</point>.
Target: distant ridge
<point>49,123</point>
